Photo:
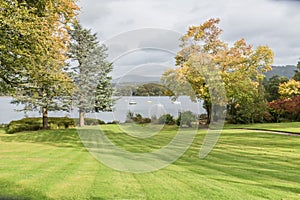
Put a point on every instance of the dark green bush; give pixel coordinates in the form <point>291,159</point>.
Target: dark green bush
<point>61,122</point>
<point>33,124</point>
<point>25,124</point>
<point>186,118</point>
<point>113,122</point>
<point>138,118</point>
<point>166,119</point>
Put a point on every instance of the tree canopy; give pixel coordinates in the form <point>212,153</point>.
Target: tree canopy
<point>240,66</point>
<point>33,35</point>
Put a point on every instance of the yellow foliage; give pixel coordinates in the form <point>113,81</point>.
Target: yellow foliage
<point>240,66</point>
<point>289,89</point>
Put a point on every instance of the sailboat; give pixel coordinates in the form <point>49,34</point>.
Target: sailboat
<point>132,102</point>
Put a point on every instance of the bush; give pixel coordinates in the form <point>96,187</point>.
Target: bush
<point>166,119</point>
<point>61,122</point>
<point>186,118</point>
<point>33,124</point>
<point>138,118</point>
<point>113,122</point>
<point>26,124</point>
<point>89,121</point>
<point>3,125</point>
<point>129,117</point>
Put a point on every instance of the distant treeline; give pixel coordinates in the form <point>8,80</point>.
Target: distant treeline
<point>149,89</point>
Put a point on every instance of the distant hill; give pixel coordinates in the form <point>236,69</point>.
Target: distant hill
<point>287,71</point>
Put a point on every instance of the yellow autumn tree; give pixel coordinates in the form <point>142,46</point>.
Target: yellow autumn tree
<point>34,43</point>
<point>240,67</point>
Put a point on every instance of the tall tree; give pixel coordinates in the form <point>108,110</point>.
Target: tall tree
<point>33,48</point>
<point>240,66</point>
<point>297,72</point>
<point>94,89</point>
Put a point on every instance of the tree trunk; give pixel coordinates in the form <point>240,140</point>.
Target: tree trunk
<point>81,118</point>
<point>45,118</point>
<point>207,107</point>
<point>208,110</point>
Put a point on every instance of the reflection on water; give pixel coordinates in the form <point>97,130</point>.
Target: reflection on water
<point>146,106</point>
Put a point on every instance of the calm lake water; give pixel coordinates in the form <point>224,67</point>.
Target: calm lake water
<point>146,106</point>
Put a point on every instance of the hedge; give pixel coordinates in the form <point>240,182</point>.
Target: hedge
<point>33,124</point>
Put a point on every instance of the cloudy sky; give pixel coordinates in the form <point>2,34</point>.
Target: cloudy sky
<point>140,33</point>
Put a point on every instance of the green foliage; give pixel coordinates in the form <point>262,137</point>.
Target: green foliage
<point>272,85</point>
<point>33,50</point>
<point>166,119</point>
<point>151,89</point>
<point>33,124</point>
<point>113,122</point>
<point>204,57</point>
<point>89,121</point>
<point>297,73</point>
<point>33,39</point>
<point>137,118</point>
<point>187,118</point>
<point>289,89</point>
<point>26,124</point>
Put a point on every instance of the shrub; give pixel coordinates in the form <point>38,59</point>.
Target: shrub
<point>129,117</point>
<point>166,119</point>
<point>61,122</point>
<point>138,118</point>
<point>33,124</point>
<point>25,124</point>
<point>186,118</point>
<point>3,125</point>
<point>113,122</point>
<point>89,121</point>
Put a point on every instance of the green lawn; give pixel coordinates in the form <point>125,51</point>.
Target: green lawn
<point>292,127</point>
<point>243,165</point>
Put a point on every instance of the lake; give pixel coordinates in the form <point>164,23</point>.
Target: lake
<point>146,106</point>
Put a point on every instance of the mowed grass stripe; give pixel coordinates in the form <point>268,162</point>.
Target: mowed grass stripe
<point>111,184</point>
<point>77,178</point>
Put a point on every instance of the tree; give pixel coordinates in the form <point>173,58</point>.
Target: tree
<point>240,67</point>
<point>288,108</point>
<point>33,53</point>
<point>94,89</point>
<point>297,73</point>
<point>52,92</point>
<point>272,85</point>
<point>289,89</point>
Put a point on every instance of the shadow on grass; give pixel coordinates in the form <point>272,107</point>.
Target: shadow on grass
<point>11,191</point>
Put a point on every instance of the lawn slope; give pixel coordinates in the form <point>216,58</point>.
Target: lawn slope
<point>243,165</point>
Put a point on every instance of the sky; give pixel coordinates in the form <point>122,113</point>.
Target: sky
<point>144,33</point>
